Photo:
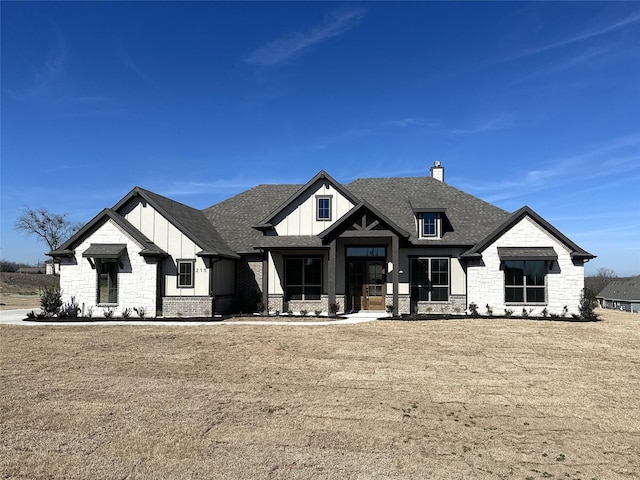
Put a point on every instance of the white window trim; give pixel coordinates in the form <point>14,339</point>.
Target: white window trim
<point>438,219</point>
<point>193,272</point>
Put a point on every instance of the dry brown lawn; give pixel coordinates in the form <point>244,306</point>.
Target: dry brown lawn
<point>464,399</point>
<point>20,290</point>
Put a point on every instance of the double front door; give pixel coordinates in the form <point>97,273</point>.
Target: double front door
<point>365,284</point>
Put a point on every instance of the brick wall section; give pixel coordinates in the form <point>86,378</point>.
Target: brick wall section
<point>485,284</point>
<point>187,307</point>
<point>136,277</point>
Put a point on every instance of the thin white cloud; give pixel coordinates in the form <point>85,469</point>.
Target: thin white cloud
<point>282,49</point>
<point>594,32</point>
<point>54,63</point>
<point>618,157</point>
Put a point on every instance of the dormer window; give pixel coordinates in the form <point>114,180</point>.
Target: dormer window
<point>430,225</point>
<point>323,208</point>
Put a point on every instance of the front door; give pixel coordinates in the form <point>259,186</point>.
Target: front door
<point>366,284</point>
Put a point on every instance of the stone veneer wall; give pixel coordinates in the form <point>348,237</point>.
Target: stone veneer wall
<point>564,283</point>
<point>187,307</point>
<point>136,277</point>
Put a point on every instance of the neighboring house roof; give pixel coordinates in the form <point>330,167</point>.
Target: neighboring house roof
<point>190,221</point>
<point>149,248</point>
<point>576,251</point>
<point>626,290</point>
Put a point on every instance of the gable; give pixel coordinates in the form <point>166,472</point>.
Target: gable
<point>174,225</point>
<point>303,214</point>
<point>525,228</point>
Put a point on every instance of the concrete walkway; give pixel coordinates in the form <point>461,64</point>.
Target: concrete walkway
<point>16,317</point>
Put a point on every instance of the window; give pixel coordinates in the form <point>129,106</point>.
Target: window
<point>185,273</point>
<point>323,208</point>
<point>107,282</point>
<point>524,281</point>
<point>303,278</point>
<point>430,279</point>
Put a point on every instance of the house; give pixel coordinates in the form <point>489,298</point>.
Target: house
<point>621,295</point>
<point>410,245</point>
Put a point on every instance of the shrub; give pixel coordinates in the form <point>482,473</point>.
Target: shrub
<point>89,312</point>
<point>108,313</point>
<point>317,312</point>
<point>334,308</point>
<point>545,312</point>
<point>140,311</point>
<point>304,312</point>
<point>31,315</point>
<point>50,301</point>
<point>70,309</point>
<point>525,313</point>
<point>473,309</point>
<point>508,312</point>
<point>126,313</point>
<point>588,304</point>
<point>489,310</point>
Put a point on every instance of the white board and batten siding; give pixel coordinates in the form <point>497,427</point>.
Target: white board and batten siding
<point>564,283</point>
<point>301,217</point>
<point>136,277</point>
<point>169,238</point>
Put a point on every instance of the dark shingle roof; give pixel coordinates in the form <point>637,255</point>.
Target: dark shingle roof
<point>234,217</point>
<point>190,221</point>
<point>471,219</point>
<point>149,249</point>
<point>628,290</point>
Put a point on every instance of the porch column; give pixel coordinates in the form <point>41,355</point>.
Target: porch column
<point>395,275</point>
<point>265,280</point>
<point>332,275</point>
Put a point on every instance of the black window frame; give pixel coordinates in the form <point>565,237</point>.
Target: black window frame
<point>525,282</point>
<point>180,275</point>
<point>111,277</point>
<point>320,209</point>
<point>426,290</point>
<point>307,289</point>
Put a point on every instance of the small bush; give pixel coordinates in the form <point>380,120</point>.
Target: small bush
<point>31,315</point>
<point>108,313</point>
<point>304,312</point>
<point>140,311</point>
<point>89,312</point>
<point>508,312</point>
<point>525,313</point>
<point>50,301</point>
<point>126,313</point>
<point>588,304</point>
<point>489,310</point>
<point>473,309</point>
<point>334,308</point>
<point>317,312</point>
<point>545,312</point>
<point>71,309</point>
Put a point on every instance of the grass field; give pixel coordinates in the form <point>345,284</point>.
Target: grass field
<point>463,399</point>
<point>20,290</point>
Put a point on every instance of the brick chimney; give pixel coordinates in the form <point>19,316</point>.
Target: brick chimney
<point>437,171</point>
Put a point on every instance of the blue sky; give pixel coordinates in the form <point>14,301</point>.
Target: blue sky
<point>523,103</point>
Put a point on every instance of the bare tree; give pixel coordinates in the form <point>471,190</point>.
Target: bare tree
<point>52,228</point>
<point>600,280</point>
